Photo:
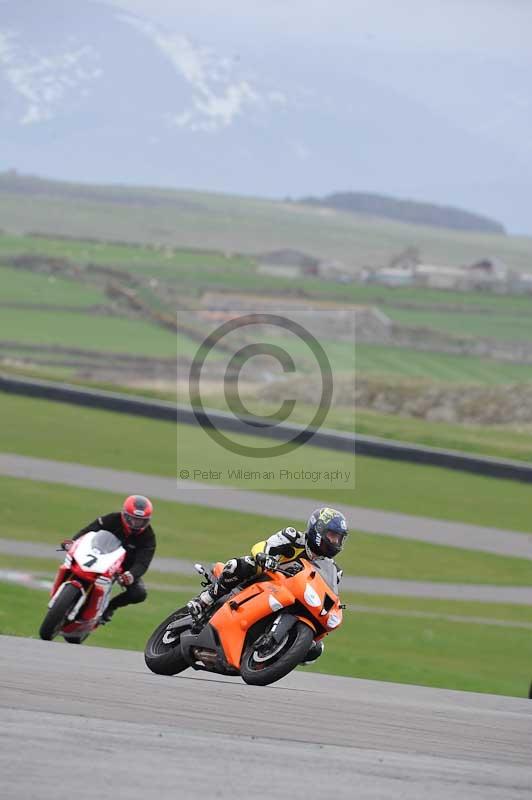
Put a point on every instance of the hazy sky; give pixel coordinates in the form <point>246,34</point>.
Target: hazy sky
<point>478,26</point>
<point>466,61</point>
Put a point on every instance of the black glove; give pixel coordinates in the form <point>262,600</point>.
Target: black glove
<point>126,578</point>
<point>292,568</point>
<point>265,561</point>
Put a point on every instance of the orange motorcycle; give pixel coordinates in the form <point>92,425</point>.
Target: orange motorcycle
<point>261,630</point>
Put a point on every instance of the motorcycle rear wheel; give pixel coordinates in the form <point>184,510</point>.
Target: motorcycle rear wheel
<point>284,660</point>
<point>55,618</point>
<point>76,639</point>
<point>165,658</point>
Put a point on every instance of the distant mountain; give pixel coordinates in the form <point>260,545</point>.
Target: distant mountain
<point>377,205</point>
<point>12,182</point>
<point>90,92</point>
<point>373,205</point>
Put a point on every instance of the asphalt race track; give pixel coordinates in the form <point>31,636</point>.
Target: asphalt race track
<point>87,722</point>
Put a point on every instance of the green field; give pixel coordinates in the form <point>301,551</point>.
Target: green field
<point>68,433</point>
<point>90,332</point>
<point>430,652</point>
<point>138,260</point>
<point>380,360</point>
<point>421,298</point>
<point>502,441</point>
<point>504,327</point>
<point>194,268</point>
<point>21,286</point>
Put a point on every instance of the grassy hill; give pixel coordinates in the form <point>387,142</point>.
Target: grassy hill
<point>236,224</point>
<point>400,210</point>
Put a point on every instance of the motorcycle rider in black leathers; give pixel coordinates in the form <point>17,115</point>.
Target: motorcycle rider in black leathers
<point>324,537</point>
<point>132,527</point>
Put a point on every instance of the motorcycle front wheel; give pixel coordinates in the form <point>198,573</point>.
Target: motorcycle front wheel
<point>162,653</point>
<point>260,669</point>
<point>55,618</point>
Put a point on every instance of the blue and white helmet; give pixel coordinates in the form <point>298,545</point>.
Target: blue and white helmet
<point>326,532</point>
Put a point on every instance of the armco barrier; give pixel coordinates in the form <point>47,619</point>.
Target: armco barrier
<point>332,440</point>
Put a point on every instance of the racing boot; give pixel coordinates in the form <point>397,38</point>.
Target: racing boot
<point>313,653</point>
<point>107,615</point>
<point>199,605</point>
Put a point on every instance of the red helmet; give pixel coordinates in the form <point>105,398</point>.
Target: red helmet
<point>136,513</point>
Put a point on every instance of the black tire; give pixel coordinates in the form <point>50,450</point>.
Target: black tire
<point>55,618</point>
<point>76,639</point>
<point>163,658</point>
<point>299,639</point>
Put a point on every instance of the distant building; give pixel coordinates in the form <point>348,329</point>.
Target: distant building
<point>334,271</point>
<point>390,276</point>
<point>406,259</point>
<point>520,283</point>
<point>438,277</point>
<point>488,273</point>
<point>287,263</point>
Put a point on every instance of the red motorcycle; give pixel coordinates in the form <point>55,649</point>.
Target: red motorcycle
<point>82,587</point>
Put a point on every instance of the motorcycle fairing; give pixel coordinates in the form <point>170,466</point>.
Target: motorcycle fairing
<point>258,600</point>
<point>233,620</point>
<point>88,556</point>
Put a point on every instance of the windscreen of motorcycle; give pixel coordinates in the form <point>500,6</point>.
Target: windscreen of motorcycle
<point>328,571</point>
<point>98,551</point>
